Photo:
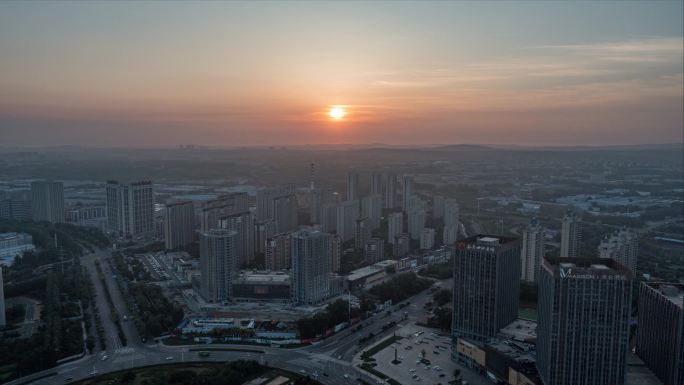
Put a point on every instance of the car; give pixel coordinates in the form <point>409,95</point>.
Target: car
<point>346,376</point>
<point>302,371</point>
<point>169,358</point>
<point>68,379</point>
<point>325,374</point>
<point>104,358</point>
<point>441,374</point>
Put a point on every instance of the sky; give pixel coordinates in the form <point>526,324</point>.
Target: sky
<point>266,73</point>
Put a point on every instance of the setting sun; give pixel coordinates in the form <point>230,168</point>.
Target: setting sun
<point>337,112</point>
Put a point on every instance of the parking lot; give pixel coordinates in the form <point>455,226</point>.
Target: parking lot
<point>436,367</point>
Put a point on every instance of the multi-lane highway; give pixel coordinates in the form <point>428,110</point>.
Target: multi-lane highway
<point>329,361</point>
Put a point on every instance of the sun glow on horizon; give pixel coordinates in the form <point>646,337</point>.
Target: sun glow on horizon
<point>337,112</point>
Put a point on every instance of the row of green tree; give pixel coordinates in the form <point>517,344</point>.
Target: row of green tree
<point>400,287</point>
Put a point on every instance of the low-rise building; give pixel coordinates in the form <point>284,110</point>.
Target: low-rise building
<point>13,245</point>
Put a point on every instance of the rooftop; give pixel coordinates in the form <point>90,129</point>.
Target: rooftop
<point>672,291</point>
<point>364,272</point>
<point>585,267</point>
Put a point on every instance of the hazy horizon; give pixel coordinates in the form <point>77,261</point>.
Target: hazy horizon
<point>147,74</point>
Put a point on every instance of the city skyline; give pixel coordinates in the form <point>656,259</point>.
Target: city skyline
<point>272,73</point>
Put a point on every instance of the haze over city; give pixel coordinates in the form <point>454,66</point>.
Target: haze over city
<point>268,73</point>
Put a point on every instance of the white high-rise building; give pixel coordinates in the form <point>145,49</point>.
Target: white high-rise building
<point>427,239</point>
<point>311,257</point>
<point>3,320</point>
<point>390,191</point>
<point>416,222</point>
<point>622,246</point>
<point>218,264</point>
<point>347,214</point>
<point>451,222</point>
<point>47,201</point>
<point>532,251</point>
<point>243,225</point>
<point>353,186</point>
<point>571,235</point>
<point>130,207</point>
<point>408,192</point>
<point>395,226</point>
<point>371,208</point>
<point>374,250</point>
<point>179,225</point>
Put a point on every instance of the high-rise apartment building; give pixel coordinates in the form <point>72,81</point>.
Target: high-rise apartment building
<point>263,230</point>
<point>371,208</point>
<point>583,321</point>
<point>353,186</point>
<point>279,204</point>
<point>130,207</point>
<point>179,225</point>
<point>311,255</point>
<point>395,226</point>
<point>376,184</point>
<point>427,239</point>
<point>416,221</point>
<point>622,246</point>
<point>335,252</point>
<point>16,205</point>
<point>243,224</point>
<point>451,222</point>
<point>47,201</point>
<point>374,250</point>
<point>319,197</point>
<point>401,245</point>
<point>278,254</point>
<point>486,286</point>
<point>390,191</point>
<point>328,217</point>
<point>227,204</point>
<point>219,265</point>
<point>363,233</point>
<point>532,250</point>
<point>408,192</point>
<point>438,206</point>
<point>571,235</point>
<point>660,333</point>
<point>347,214</point>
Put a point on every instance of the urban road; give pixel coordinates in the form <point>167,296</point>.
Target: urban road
<point>328,361</point>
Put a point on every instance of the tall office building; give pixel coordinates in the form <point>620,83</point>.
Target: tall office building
<point>47,201</point>
<point>219,265</point>
<point>374,250</point>
<point>427,239</point>
<point>278,252</point>
<point>390,191</point>
<point>416,222</point>
<point>532,251</point>
<point>130,207</point>
<point>310,266</point>
<point>243,224</point>
<point>179,225</point>
<point>486,286</point>
<point>376,184</point>
<point>660,334</point>
<point>347,214</point>
<point>438,206</point>
<point>363,233</point>
<point>622,246</point>
<point>227,204</point>
<point>451,222</point>
<point>395,226</point>
<point>408,192</point>
<point>371,208</point>
<point>353,186</point>
<point>571,235</point>
<point>3,320</point>
<point>583,321</point>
